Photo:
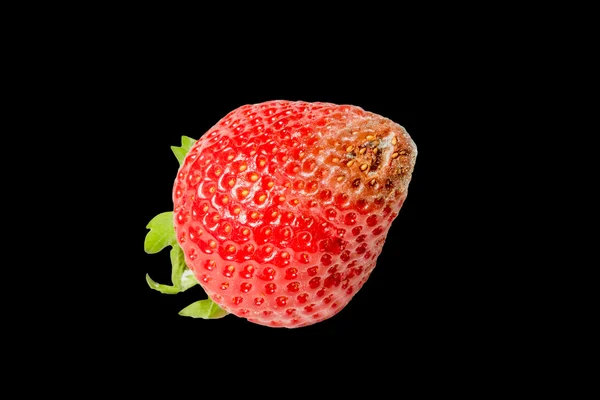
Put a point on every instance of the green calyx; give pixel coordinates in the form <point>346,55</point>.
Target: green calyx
<point>162,235</point>
<point>181,151</point>
<point>206,309</point>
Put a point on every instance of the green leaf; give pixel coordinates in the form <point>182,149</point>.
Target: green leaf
<point>165,289</point>
<point>181,276</point>
<point>181,151</point>
<point>177,265</point>
<point>188,279</point>
<point>180,271</point>
<point>162,233</point>
<point>206,309</point>
<point>187,142</point>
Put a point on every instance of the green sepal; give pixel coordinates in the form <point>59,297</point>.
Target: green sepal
<point>205,309</point>
<point>181,275</point>
<point>165,289</point>
<point>177,264</point>
<point>188,279</point>
<point>162,233</point>
<point>181,151</point>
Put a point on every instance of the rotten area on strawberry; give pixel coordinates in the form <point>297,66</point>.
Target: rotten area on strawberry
<point>162,235</point>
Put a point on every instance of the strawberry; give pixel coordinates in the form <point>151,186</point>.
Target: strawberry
<point>282,208</point>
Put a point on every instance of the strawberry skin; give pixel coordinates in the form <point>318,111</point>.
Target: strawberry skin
<point>282,208</point>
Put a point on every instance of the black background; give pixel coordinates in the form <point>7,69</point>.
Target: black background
<point>426,294</point>
<point>143,113</point>
<point>110,104</point>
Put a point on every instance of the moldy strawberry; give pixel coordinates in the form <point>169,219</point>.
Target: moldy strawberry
<point>282,208</point>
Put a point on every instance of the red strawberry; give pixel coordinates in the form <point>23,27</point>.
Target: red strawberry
<point>282,208</point>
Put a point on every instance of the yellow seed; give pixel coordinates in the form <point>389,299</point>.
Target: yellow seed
<point>253,152</point>
<point>268,231</point>
<point>246,232</point>
<point>237,210</point>
<point>349,149</point>
<point>274,214</point>
<point>335,160</point>
<point>212,189</point>
<point>231,182</point>
<point>254,215</point>
<point>370,137</point>
<point>230,157</point>
<point>394,141</point>
<point>340,178</point>
<point>262,163</point>
<point>375,150</point>
<point>243,167</point>
<point>245,192</point>
<point>350,163</point>
<point>271,184</point>
<point>225,200</point>
<point>216,218</point>
<point>281,199</point>
<point>217,172</point>
<point>231,248</point>
<point>268,249</point>
<point>212,244</point>
<point>395,155</point>
<point>253,177</point>
<point>227,228</point>
<point>262,198</point>
<point>372,182</point>
<point>363,167</point>
<point>363,150</point>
